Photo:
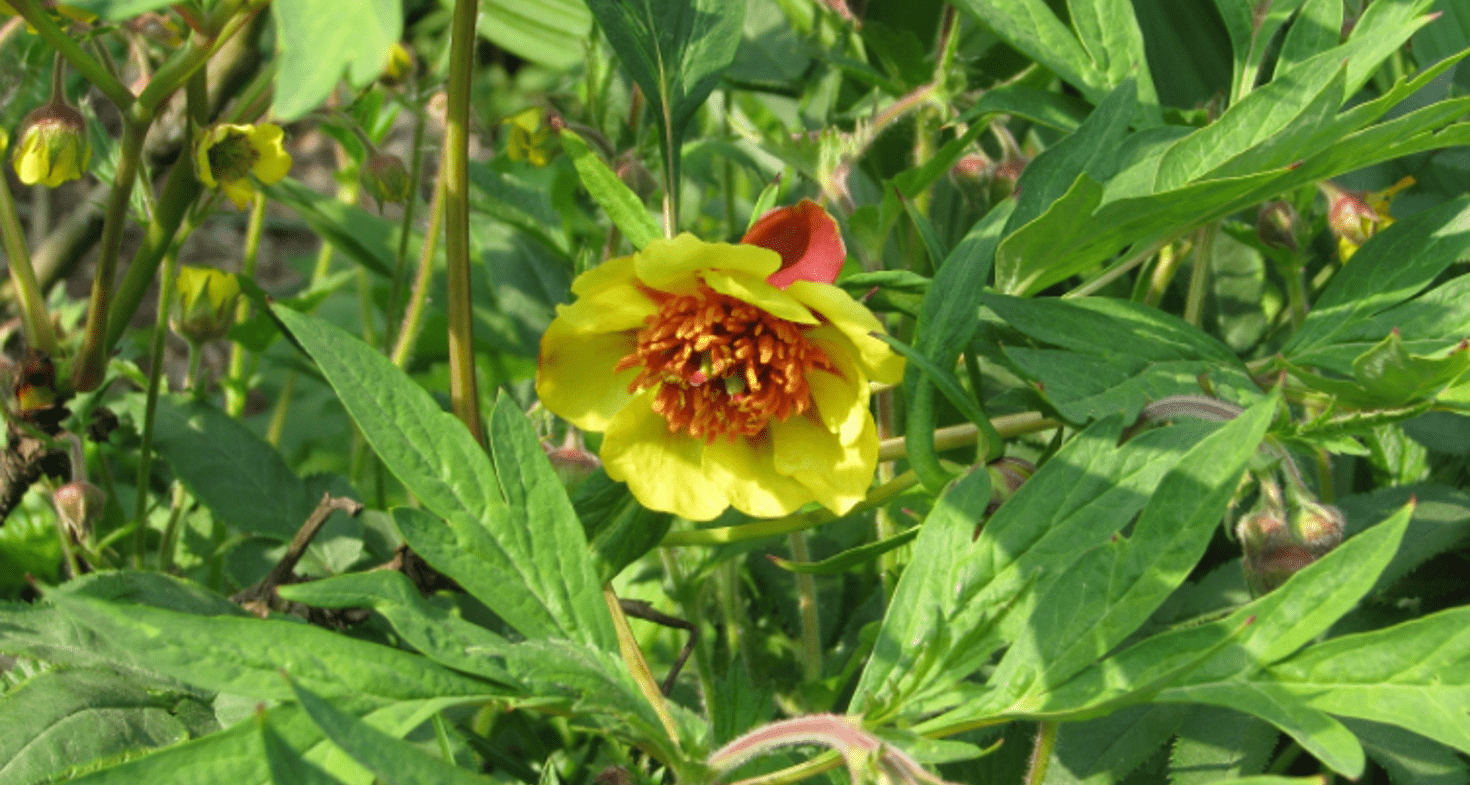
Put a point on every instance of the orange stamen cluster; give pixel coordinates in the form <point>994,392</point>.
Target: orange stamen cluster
<point>723,367</point>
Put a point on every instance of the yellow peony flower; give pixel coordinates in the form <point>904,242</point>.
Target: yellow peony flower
<point>227,156</point>
<point>716,388</point>
<point>53,147</point>
<point>204,306</point>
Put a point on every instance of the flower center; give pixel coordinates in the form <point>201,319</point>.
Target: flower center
<point>722,366</point>
<point>232,157</point>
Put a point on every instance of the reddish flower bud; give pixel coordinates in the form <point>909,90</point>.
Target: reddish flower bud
<point>807,239</point>
<point>79,505</point>
<point>1276,225</point>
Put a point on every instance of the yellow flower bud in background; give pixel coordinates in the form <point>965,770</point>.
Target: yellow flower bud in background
<point>385,179</point>
<point>529,138</point>
<point>399,66</point>
<point>4,140</point>
<point>204,306</point>
<point>227,156</point>
<point>53,148</point>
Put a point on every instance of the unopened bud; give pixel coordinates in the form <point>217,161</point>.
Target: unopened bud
<point>572,463</point>
<point>385,179</point>
<point>1317,527</point>
<point>1006,477</point>
<point>1273,569</point>
<point>79,505</point>
<point>1276,225</point>
<point>53,148</point>
<point>204,307</point>
<point>399,66</point>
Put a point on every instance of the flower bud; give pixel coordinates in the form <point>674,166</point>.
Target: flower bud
<point>1355,216</point>
<point>1273,569</point>
<point>37,401</point>
<point>1006,477</point>
<point>53,147</point>
<point>385,179</point>
<point>1276,225</point>
<point>808,240</point>
<point>204,307</point>
<point>530,137</point>
<point>79,505</point>
<point>572,463</point>
<point>399,66</point>
<point>1317,527</point>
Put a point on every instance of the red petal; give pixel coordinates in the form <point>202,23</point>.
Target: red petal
<point>808,240</point>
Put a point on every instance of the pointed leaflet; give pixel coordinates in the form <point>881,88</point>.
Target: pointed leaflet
<point>1076,500</point>
<point>426,448</point>
<point>440,635</point>
<point>1110,591</point>
<point>321,39</point>
<point>244,656</point>
<point>676,50</point>
<point>1120,355</point>
<point>622,206</point>
<point>66,718</point>
<point>286,764</point>
<point>1413,675</point>
<point>1391,267</point>
<point>394,761</point>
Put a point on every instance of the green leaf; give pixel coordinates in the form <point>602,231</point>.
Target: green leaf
<point>244,656</point>
<point>227,467</point>
<point>1216,745</point>
<point>619,529</point>
<point>1412,675</point>
<point>1317,28</point>
<point>1391,267</point>
<point>1409,757</point>
<point>233,755</point>
<point>1110,591</point>
<point>1109,33</point>
<point>960,602</point>
<point>849,558</point>
<point>426,448</point>
<point>1107,749</point>
<point>1119,355</point>
<point>394,761</point>
<point>371,241</point>
<point>550,32</point>
<point>619,202</point>
<point>442,636</point>
<point>501,568</point>
<point>675,50</point>
<point>1392,375</point>
<point>67,718</point>
<point>322,39</point>
<point>287,767</point>
<point>154,589</point>
<point>119,10</point>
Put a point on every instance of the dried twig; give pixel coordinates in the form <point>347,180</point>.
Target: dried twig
<point>261,598</point>
<point>639,609</point>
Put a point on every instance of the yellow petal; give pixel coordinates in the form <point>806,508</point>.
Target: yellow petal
<point>670,265</point>
<point>841,398</point>
<point>239,191</point>
<point>846,483</point>
<point>575,378</point>
<point>664,470</point>
<point>856,324</point>
<point>745,472</point>
<point>804,444</point>
<point>760,294</point>
<point>612,271</point>
<point>610,309</point>
<point>272,162</point>
<point>32,165</point>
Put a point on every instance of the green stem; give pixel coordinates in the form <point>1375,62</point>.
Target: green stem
<point>405,228</point>
<point>155,374</point>
<point>1007,426</point>
<point>413,315</point>
<point>1046,742</point>
<point>34,320</point>
<point>806,603</point>
<point>235,377</point>
<point>91,363</point>
<point>86,65</point>
<point>171,529</point>
<point>637,666</point>
<point>1296,294</point>
<point>463,390</point>
<point>1199,275</point>
<point>191,379</point>
<point>278,414</point>
<point>179,191</point>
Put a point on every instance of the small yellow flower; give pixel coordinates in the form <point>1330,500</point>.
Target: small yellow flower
<point>715,387</point>
<point>227,156</point>
<point>530,137</point>
<point>204,308</point>
<point>53,148</point>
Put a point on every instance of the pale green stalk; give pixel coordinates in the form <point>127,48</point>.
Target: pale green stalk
<point>235,382</point>
<point>1199,276</point>
<point>150,407</point>
<point>34,320</point>
<point>806,604</point>
<point>463,388</point>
